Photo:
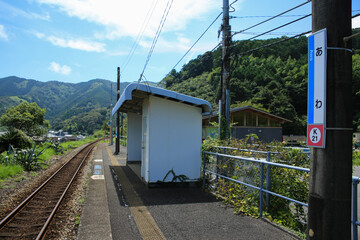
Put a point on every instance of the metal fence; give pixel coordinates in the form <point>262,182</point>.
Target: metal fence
<point>265,177</point>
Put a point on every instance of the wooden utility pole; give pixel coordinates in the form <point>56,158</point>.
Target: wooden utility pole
<point>224,121</point>
<point>111,117</point>
<point>117,144</point>
<point>329,213</point>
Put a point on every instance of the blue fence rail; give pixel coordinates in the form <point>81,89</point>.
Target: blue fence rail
<point>266,176</point>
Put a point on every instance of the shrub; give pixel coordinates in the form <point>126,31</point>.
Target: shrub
<point>245,200</point>
<point>29,158</point>
<point>16,138</point>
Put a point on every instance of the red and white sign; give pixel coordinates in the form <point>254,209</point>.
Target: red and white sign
<point>316,135</point>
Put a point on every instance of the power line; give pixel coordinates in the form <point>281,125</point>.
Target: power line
<point>140,35</point>
<point>197,41</point>
<point>274,43</point>
<point>157,35</point>
<point>272,17</point>
<point>274,28</point>
<point>275,33</point>
<point>241,17</point>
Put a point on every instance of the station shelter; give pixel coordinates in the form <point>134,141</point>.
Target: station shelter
<point>164,132</point>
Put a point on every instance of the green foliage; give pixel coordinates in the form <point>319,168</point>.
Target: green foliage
<point>57,148</point>
<point>27,117</point>
<point>68,106</point>
<point>29,159</point>
<point>273,79</point>
<point>100,134</point>
<point>86,122</point>
<point>7,171</point>
<point>356,158</point>
<point>245,200</point>
<point>15,138</point>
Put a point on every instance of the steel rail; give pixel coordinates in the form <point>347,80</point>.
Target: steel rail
<point>47,223</point>
<point>24,203</point>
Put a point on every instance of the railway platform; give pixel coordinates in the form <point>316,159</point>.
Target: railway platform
<point>118,205</point>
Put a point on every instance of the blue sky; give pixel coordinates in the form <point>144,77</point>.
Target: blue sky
<point>79,40</point>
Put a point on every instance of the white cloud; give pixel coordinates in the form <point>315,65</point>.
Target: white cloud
<point>3,34</point>
<point>79,44</point>
<point>16,12</point>
<point>125,18</point>
<point>56,67</point>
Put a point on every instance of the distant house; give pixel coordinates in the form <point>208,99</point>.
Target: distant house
<point>248,120</point>
<point>60,136</point>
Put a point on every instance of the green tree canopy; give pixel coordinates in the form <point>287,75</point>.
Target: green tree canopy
<point>28,117</point>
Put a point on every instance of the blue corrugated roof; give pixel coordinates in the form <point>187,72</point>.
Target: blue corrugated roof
<point>171,95</point>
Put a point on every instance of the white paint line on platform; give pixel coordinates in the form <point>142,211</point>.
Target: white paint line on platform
<point>98,160</point>
<point>97,177</point>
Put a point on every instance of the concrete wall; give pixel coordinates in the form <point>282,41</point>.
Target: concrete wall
<point>173,140</point>
<point>134,137</point>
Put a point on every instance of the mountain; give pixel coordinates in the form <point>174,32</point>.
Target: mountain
<point>264,74</point>
<point>64,102</point>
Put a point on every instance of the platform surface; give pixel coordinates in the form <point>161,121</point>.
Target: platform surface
<point>121,206</point>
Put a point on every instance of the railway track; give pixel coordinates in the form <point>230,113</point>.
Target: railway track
<point>31,218</point>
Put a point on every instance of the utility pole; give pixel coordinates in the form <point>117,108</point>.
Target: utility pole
<point>111,124</point>
<point>224,121</point>
<point>117,144</point>
<point>329,213</point>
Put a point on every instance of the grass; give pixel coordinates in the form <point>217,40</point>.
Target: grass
<point>10,171</point>
<point>7,171</point>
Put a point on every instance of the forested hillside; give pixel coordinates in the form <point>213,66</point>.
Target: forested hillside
<point>81,107</point>
<point>272,78</point>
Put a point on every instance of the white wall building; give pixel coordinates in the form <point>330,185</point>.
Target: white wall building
<point>164,131</point>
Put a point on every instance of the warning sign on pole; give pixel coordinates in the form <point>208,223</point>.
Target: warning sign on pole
<point>317,89</point>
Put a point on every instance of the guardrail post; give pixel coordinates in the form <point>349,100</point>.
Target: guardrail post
<point>261,187</point>
<point>204,165</point>
<point>268,183</point>
<point>354,208</point>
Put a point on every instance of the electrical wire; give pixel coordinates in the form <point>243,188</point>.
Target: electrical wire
<point>275,33</point>
<point>262,22</point>
<point>197,40</point>
<point>241,17</point>
<point>157,35</point>
<point>274,43</point>
<point>140,35</point>
<point>275,29</point>
<point>232,8</point>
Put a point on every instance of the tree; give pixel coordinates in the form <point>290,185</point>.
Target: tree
<point>27,117</point>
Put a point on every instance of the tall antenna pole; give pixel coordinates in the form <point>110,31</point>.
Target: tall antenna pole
<point>224,123</point>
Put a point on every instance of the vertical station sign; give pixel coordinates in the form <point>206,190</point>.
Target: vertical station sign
<point>317,90</point>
